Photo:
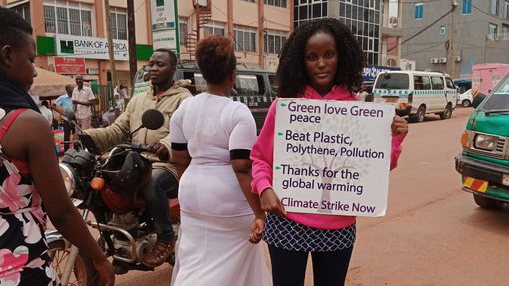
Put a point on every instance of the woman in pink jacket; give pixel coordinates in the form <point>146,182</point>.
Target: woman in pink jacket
<point>320,60</point>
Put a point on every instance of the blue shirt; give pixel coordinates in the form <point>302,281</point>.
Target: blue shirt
<point>65,102</point>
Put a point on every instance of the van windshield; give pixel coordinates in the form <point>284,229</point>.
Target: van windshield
<point>392,81</point>
<point>499,99</point>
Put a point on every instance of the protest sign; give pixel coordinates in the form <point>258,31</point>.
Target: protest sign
<point>332,157</point>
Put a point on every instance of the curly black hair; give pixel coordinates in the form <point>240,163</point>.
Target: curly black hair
<point>291,73</point>
<point>14,30</point>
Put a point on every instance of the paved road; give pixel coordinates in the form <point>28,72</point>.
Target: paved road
<point>433,233</point>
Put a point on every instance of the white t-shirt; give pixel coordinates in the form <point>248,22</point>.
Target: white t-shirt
<point>48,114</point>
<point>212,126</point>
<point>83,95</point>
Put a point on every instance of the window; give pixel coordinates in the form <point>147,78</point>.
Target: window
<point>247,84</point>
<point>492,31</point>
<point>24,11</point>
<point>273,41</point>
<point>245,38</point>
<point>494,7</point>
<point>449,83</point>
<point>392,81</point>
<point>443,30</point>
<point>419,11</point>
<point>273,83</point>
<point>437,83</point>
<point>277,3</point>
<point>119,23</point>
<point>422,82</point>
<point>506,9</point>
<point>183,31</point>
<point>467,7</point>
<point>505,32</point>
<point>252,1</point>
<point>70,20</point>
<point>214,28</point>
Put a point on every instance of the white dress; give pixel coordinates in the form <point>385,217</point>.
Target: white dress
<point>212,248</point>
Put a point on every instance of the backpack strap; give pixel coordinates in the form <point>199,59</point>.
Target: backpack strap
<point>9,122</point>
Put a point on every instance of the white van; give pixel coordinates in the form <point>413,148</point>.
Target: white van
<point>416,93</point>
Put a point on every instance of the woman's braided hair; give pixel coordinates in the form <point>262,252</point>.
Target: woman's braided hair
<point>291,73</point>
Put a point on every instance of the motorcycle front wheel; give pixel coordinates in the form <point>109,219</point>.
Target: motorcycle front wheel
<point>83,273</point>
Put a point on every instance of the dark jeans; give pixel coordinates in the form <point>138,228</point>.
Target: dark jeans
<point>289,267</point>
<point>67,134</point>
<point>154,193</point>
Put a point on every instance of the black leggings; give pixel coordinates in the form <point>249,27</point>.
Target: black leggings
<point>289,267</point>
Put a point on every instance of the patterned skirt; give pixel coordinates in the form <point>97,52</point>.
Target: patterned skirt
<point>287,234</point>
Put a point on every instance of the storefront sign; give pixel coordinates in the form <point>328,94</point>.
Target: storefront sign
<point>165,24</point>
<point>332,157</point>
<point>69,65</point>
<point>90,48</point>
<point>163,14</point>
<point>164,39</point>
<point>371,72</point>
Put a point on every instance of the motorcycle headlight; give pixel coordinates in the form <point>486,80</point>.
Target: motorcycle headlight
<point>485,142</point>
<point>69,179</point>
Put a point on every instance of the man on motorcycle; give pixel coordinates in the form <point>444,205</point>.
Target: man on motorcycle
<point>165,97</point>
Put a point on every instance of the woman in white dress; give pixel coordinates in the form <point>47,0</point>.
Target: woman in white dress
<point>221,220</point>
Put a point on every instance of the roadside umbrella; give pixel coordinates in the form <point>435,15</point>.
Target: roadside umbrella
<point>49,84</point>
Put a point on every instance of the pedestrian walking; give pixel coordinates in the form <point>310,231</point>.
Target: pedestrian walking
<point>320,60</point>
<point>211,141</point>
<point>29,173</point>
<point>83,99</point>
<point>64,106</point>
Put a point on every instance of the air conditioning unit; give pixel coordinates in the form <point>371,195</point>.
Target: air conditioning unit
<point>393,21</point>
<point>442,60</point>
<point>457,58</point>
<point>434,60</point>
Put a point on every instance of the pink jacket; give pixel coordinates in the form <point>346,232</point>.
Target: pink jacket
<point>262,156</point>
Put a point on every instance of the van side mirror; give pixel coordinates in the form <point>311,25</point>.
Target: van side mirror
<point>478,99</point>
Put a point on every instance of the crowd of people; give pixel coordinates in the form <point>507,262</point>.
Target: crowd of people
<point>207,151</point>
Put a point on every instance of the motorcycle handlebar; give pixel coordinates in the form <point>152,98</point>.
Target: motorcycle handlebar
<point>134,146</point>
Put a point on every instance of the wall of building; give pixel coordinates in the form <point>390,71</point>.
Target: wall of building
<point>471,41</point>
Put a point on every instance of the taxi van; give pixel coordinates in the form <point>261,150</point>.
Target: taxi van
<point>416,94</point>
<point>484,161</point>
<point>255,88</point>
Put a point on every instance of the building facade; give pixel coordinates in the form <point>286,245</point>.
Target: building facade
<point>482,34</point>
<point>71,36</point>
<point>369,21</point>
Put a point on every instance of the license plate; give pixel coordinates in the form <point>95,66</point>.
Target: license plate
<point>505,180</point>
<point>390,99</point>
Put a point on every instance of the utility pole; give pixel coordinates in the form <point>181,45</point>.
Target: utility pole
<point>131,33</point>
<point>111,51</point>
<point>452,63</point>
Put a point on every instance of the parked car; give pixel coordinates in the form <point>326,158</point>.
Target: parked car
<point>416,93</point>
<point>484,162</point>
<point>466,98</point>
<point>255,88</point>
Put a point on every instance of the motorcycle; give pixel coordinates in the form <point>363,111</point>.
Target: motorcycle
<point>102,185</point>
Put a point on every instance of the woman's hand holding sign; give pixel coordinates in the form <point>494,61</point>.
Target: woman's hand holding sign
<point>399,126</point>
<point>271,203</point>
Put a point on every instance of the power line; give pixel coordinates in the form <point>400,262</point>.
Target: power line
<point>425,28</point>
<point>489,14</point>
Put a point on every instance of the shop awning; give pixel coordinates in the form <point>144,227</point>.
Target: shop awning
<point>48,84</point>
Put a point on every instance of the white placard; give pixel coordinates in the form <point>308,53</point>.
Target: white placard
<point>332,157</point>
<point>91,48</point>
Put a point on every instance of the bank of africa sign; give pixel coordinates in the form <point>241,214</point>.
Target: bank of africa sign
<point>90,48</point>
